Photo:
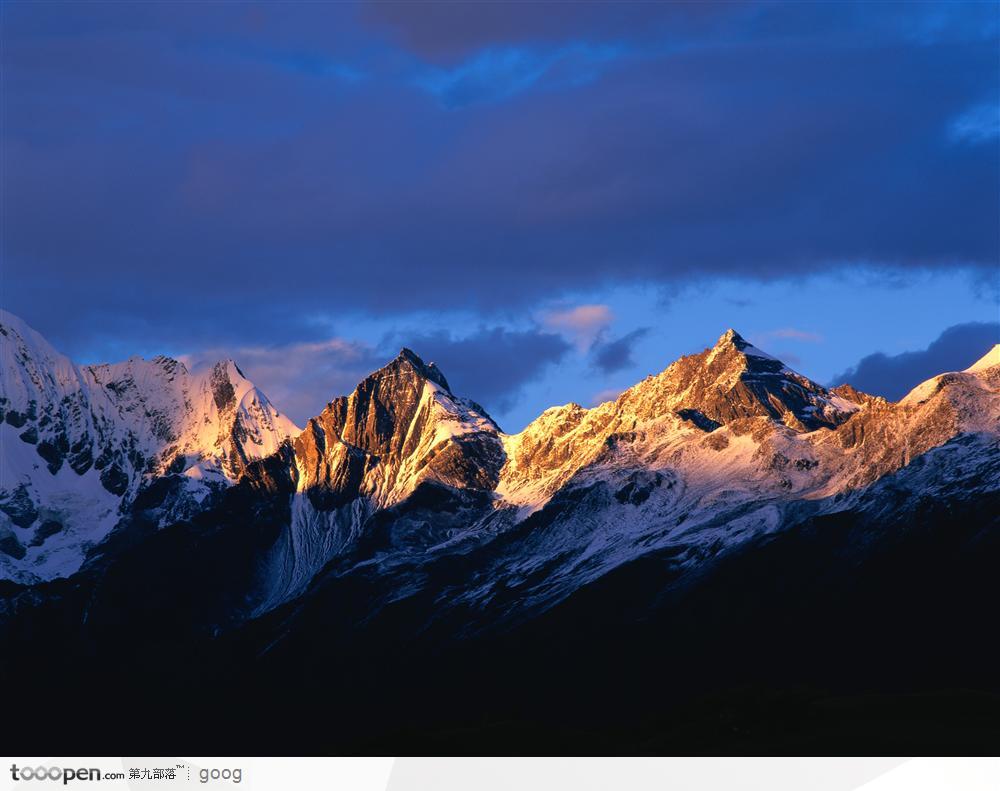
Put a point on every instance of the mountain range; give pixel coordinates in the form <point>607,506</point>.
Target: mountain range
<point>711,557</point>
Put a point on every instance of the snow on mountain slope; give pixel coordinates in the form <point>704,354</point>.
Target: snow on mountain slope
<point>719,447</point>
<point>989,360</point>
<point>888,436</point>
<point>732,386</point>
<point>401,427</point>
<point>695,461</point>
<point>706,412</point>
<point>79,442</point>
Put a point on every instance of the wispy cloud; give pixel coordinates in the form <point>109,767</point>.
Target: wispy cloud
<point>497,73</point>
<point>979,124</point>
<point>581,324</point>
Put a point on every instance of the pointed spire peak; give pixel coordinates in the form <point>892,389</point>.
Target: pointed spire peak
<point>731,343</point>
<point>410,356</point>
<point>426,370</point>
<point>228,367</point>
<point>732,338</point>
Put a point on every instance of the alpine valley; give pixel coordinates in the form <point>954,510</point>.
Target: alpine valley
<point>727,557</point>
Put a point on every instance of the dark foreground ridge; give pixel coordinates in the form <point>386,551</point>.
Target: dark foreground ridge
<point>859,632</point>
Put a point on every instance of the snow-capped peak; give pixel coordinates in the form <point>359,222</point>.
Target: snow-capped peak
<point>731,338</point>
<point>29,337</point>
<point>400,426</point>
<point>734,379</point>
<point>989,360</point>
<point>426,370</point>
<point>80,443</point>
<point>984,373</point>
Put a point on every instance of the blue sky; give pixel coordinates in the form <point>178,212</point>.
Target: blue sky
<point>550,200</point>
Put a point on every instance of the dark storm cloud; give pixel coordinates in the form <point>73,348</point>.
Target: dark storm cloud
<point>492,365</point>
<point>444,30</point>
<point>615,355</point>
<point>183,171</point>
<point>893,376</point>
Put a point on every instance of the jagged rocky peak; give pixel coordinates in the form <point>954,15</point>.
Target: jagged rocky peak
<point>889,435</point>
<point>401,425</point>
<point>732,338</point>
<point>81,443</point>
<point>734,352</point>
<point>734,380</point>
<point>430,371</point>
<point>551,447</point>
<point>379,415</point>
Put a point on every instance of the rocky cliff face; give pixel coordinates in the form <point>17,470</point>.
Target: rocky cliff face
<point>718,449</point>
<point>734,380</point>
<point>733,386</point>
<point>401,426</point>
